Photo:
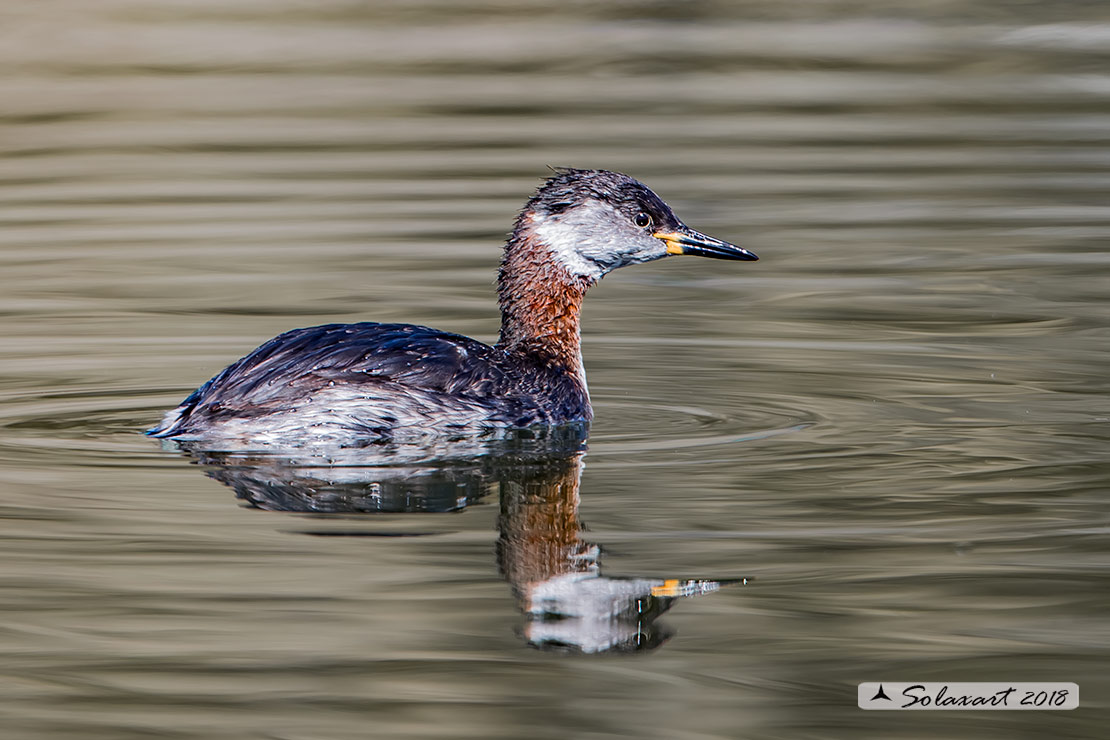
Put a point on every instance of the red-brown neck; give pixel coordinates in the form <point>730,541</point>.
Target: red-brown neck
<point>540,303</point>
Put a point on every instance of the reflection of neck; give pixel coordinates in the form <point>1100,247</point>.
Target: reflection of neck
<point>539,524</point>
<point>540,302</point>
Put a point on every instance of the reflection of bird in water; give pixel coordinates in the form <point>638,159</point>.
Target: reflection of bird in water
<point>387,478</point>
<point>556,576</point>
<point>566,601</point>
<point>351,384</point>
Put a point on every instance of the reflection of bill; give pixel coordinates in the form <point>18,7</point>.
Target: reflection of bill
<point>567,603</point>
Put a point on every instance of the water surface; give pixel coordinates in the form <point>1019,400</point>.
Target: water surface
<point>894,425</point>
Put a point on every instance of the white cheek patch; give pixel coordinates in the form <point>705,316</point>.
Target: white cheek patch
<point>579,235</point>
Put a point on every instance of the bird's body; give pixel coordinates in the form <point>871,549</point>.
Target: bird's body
<point>353,384</point>
<point>363,382</point>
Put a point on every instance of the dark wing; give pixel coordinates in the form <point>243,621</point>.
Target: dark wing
<point>298,362</point>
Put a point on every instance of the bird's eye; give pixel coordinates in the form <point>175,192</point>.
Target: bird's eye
<point>642,220</point>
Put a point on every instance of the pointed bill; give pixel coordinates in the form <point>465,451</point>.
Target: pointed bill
<point>687,241</point>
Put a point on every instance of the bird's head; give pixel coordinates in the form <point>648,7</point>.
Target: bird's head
<point>594,221</point>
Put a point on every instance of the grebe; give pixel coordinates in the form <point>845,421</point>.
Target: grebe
<point>355,384</point>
